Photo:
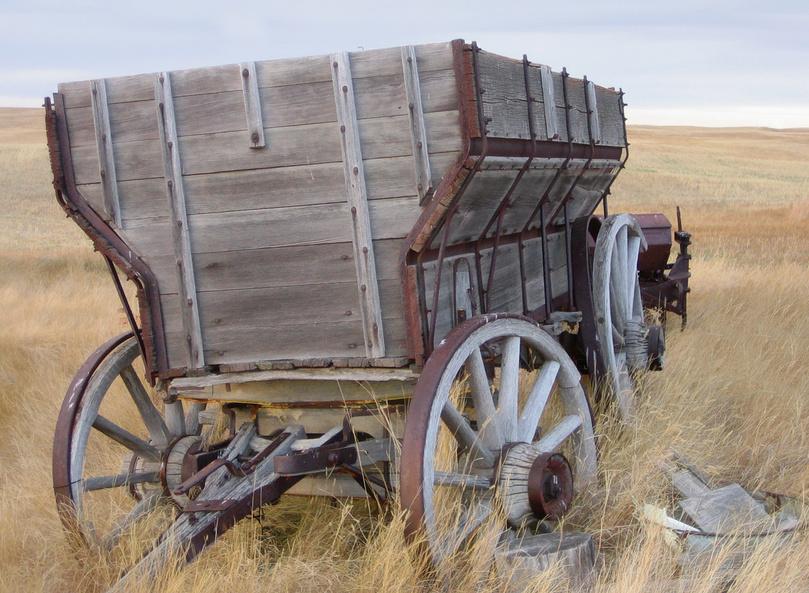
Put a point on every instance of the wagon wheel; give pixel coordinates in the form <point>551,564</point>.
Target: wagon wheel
<point>618,307</point>
<point>495,451</point>
<point>116,456</point>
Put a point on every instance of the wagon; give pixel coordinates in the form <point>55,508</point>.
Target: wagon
<point>370,274</point>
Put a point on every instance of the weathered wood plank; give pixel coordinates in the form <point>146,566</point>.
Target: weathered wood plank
<point>265,188</point>
<point>299,225</point>
<point>357,194</point>
<point>310,340</point>
<point>180,232</point>
<point>272,73</point>
<point>290,105</point>
<point>278,266</point>
<point>106,155</point>
<point>252,105</point>
<point>418,132</point>
<point>237,310</point>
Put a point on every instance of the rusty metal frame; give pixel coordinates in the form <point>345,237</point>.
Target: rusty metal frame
<point>109,244</point>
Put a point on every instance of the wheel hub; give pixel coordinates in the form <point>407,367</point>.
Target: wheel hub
<point>179,463</point>
<point>533,484</point>
<point>636,345</point>
<point>550,486</point>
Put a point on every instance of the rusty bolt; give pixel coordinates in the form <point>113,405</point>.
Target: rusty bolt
<point>409,60</point>
<point>190,302</point>
<point>345,88</point>
<point>354,210</point>
<point>333,458</point>
<point>334,64</point>
<point>180,224</point>
<point>170,144</point>
<point>356,170</point>
<point>254,137</point>
<point>349,313</point>
<point>161,79</point>
<point>410,106</point>
<point>363,288</point>
<point>365,249</point>
<point>343,129</point>
<point>245,72</point>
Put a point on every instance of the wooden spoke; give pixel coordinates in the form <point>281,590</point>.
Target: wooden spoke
<point>537,398</point>
<point>175,418</point>
<point>157,428</point>
<point>466,437</point>
<point>126,438</point>
<point>488,429</point>
<point>554,438</point>
<point>618,297</point>
<point>462,480</point>
<point>509,392</point>
<point>103,482</point>
<point>146,505</point>
<point>632,270</point>
<point>472,517</point>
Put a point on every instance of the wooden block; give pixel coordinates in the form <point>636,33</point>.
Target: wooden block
<point>726,509</point>
<point>252,105</point>
<point>688,484</point>
<point>571,555</point>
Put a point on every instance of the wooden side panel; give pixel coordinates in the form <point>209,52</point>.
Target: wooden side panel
<point>506,292</point>
<point>270,226</point>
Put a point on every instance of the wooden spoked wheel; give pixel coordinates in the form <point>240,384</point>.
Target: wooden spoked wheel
<point>118,452</point>
<point>618,307</point>
<point>490,442</point>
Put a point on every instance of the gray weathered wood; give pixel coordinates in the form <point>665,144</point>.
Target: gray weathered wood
<point>104,148</point>
<point>181,238</point>
<point>421,155</point>
<point>357,195</point>
<point>548,103</point>
<point>191,385</point>
<point>252,105</point>
<point>725,510</point>
<point>592,105</point>
<point>570,555</point>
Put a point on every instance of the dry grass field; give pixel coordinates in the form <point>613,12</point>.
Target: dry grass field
<point>734,398</point>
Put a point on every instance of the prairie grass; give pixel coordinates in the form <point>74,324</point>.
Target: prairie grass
<point>733,397</point>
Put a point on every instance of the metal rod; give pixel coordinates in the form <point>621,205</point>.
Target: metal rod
<point>546,265</point>
<point>569,259</point>
<point>130,316</point>
<point>438,273</point>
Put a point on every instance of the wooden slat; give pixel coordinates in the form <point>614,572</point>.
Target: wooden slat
<point>358,202</point>
<point>180,233</point>
<point>549,102</point>
<point>252,105</point>
<point>272,73</point>
<point>104,148</point>
<point>592,105</point>
<point>418,132</point>
<point>290,105</point>
<point>263,188</point>
<point>278,266</point>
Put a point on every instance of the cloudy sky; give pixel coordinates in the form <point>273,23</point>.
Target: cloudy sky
<point>709,62</point>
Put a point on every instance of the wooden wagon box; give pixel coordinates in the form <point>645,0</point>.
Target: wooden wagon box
<point>288,210</point>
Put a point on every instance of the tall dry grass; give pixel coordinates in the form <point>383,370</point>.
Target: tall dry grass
<point>733,397</point>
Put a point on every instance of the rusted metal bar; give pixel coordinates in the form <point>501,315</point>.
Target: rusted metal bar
<point>107,241</point>
<point>130,316</point>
